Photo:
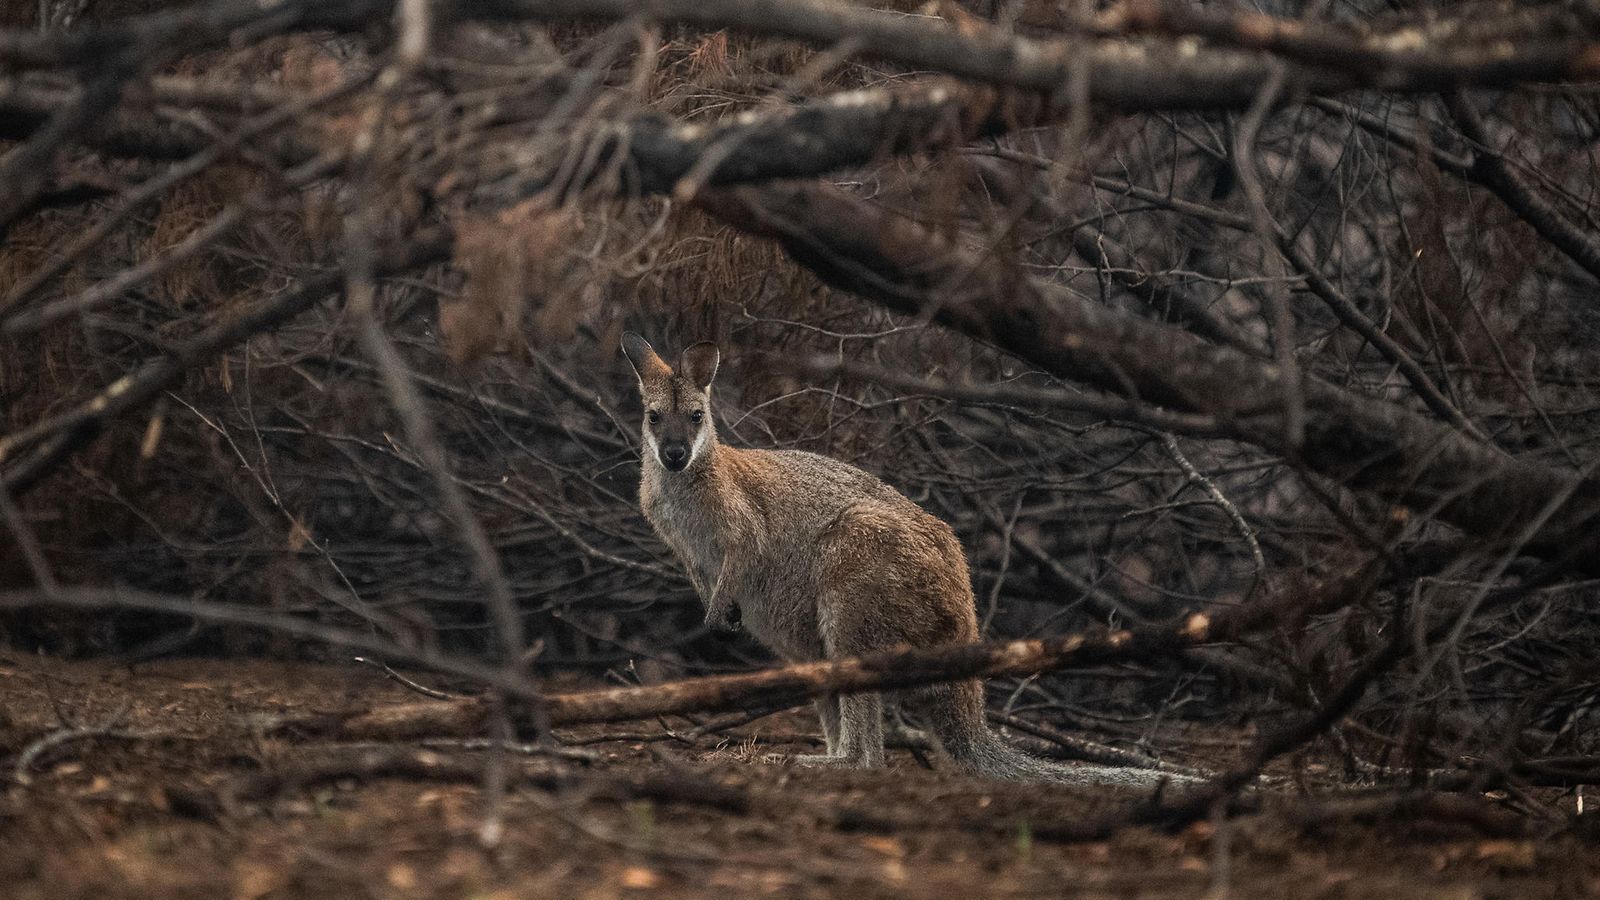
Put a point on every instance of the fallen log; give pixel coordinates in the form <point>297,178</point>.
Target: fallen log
<point>793,684</point>
<point>781,686</point>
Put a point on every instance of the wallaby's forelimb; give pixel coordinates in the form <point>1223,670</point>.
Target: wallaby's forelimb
<point>828,712</point>
<point>722,613</point>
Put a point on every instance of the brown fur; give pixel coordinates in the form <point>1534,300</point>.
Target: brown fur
<point>817,560</point>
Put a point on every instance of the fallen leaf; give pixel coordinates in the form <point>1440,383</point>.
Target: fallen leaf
<point>401,877</point>
<point>639,877</point>
<point>895,870</point>
<point>253,880</point>
<point>1510,856</point>
<point>888,846</point>
<point>1197,837</point>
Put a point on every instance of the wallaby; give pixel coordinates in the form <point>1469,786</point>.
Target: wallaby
<point>817,560</point>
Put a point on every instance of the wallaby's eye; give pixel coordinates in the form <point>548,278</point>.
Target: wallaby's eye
<point>696,416</point>
<point>654,417</point>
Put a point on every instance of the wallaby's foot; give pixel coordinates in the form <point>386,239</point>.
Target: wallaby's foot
<point>830,759</point>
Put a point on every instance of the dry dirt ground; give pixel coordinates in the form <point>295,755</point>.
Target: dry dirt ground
<point>189,799</point>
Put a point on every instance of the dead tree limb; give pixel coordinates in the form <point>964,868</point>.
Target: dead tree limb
<point>792,684</point>
<point>1128,75</point>
<point>1022,396</point>
<point>1447,47</point>
<point>815,137</point>
<point>785,685</point>
<point>107,599</point>
<point>1361,442</point>
<point>28,454</point>
<point>25,169</point>
<point>1489,169</point>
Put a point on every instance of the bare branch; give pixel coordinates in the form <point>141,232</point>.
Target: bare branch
<point>1358,441</point>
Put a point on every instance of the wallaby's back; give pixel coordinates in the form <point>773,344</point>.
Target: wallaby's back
<point>842,562</point>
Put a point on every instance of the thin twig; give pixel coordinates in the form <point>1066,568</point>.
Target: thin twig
<point>424,690</point>
<point>110,728</point>
<point>1240,524</point>
<point>1279,316</point>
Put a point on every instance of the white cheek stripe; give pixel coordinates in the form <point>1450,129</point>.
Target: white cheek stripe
<point>650,445</point>
<point>699,442</point>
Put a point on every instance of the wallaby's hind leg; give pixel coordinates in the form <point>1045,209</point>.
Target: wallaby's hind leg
<point>828,711</point>
<point>896,730</point>
<point>860,741</point>
<point>900,732</point>
<point>861,730</point>
<point>886,579</point>
<point>955,715</point>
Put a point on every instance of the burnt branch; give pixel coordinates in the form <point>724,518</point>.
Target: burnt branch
<point>1357,441</point>
<point>889,670</point>
<point>28,454</point>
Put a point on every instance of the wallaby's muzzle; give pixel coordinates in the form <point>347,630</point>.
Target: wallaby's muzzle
<point>674,455</point>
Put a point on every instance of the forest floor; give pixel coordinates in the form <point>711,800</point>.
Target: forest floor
<point>189,799</point>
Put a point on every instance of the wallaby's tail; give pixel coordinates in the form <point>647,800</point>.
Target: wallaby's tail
<point>955,714</point>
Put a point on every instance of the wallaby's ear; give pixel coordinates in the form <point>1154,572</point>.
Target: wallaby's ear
<point>646,363</point>
<point>700,363</point>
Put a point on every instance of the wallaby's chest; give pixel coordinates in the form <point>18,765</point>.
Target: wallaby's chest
<point>695,529</point>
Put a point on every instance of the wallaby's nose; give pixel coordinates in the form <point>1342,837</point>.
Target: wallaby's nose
<point>674,456</point>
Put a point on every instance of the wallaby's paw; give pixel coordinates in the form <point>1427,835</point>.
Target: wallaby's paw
<point>819,759</point>
<point>1136,777</point>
